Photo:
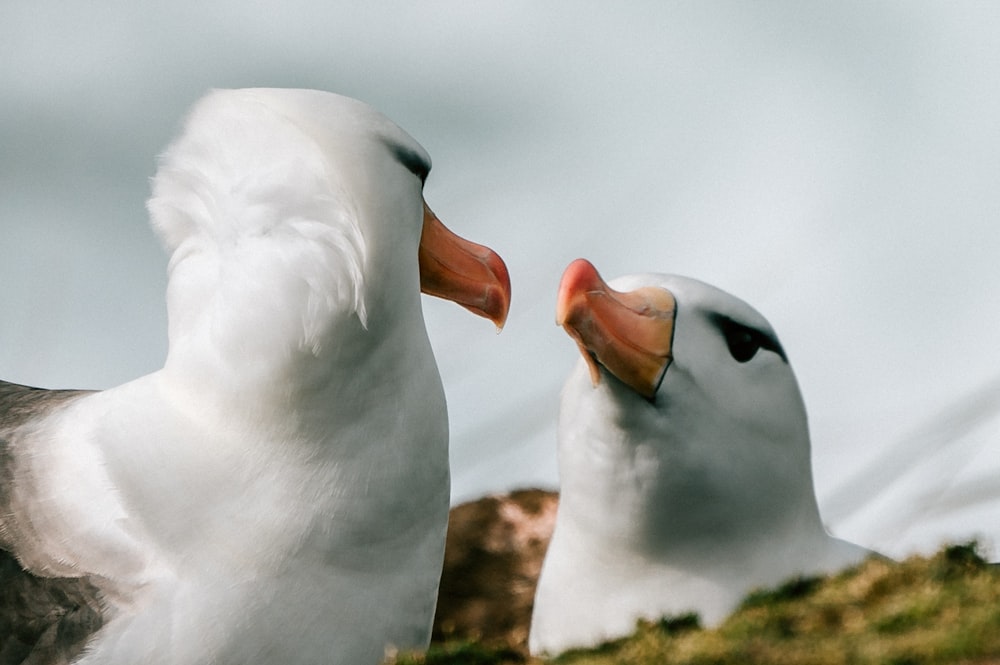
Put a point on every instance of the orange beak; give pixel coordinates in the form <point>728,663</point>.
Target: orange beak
<point>455,269</point>
<point>630,334</point>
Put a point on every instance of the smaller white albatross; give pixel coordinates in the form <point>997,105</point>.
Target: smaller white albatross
<point>277,492</point>
<point>684,462</point>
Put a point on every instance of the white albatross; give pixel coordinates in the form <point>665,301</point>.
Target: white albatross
<point>278,492</point>
<point>684,462</point>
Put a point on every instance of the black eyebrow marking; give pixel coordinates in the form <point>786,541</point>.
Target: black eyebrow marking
<point>411,159</point>
<point>766,340</point>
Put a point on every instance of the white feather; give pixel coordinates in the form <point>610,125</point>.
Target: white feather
<point>278,492</point>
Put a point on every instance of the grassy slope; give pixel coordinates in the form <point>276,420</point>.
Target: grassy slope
<point>943,609</point>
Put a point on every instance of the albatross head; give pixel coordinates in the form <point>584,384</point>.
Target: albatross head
<point>685,477</point>
<point>683,425</point>
<point>297,227</point>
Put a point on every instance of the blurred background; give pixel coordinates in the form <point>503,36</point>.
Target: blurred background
<point>836,164</point>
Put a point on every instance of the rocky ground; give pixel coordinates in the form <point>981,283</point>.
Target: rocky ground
<point>924,610</point>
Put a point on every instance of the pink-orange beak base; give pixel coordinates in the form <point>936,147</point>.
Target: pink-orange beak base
<point>630,333</point>
<point>455,269</point>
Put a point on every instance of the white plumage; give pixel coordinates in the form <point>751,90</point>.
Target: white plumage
<point>684,462</point>
<point>278,492</point>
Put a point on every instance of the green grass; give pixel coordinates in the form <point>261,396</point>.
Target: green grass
<point>922,611</point>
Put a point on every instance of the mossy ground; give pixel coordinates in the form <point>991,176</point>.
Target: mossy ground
<point>922,611</point>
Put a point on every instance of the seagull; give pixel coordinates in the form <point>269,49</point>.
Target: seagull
<point>278,492</point>
<point>684,462</point>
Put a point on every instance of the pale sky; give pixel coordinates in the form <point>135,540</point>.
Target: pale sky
<point>835,164</point>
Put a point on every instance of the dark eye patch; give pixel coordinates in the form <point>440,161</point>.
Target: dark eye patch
<point>744,342</point>
<point>413,161</point>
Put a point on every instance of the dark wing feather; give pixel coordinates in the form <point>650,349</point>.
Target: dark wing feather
<point>43,621</point>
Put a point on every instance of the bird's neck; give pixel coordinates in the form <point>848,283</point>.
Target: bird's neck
<point>674,499</point>
<point>764,553</point>
<point>351,373</point>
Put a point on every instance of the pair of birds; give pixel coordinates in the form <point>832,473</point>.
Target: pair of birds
<point>278,492</point>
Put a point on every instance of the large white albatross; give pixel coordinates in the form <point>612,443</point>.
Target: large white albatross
<point>684,462</point>
<point>278,492</point>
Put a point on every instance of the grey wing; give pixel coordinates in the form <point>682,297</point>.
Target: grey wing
<point>43,620</point>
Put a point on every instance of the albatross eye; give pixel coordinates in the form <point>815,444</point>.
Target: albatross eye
<point>743,342</point>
